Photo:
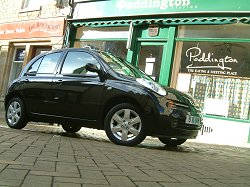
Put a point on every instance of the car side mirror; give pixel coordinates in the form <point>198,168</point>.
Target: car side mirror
<point>93,68</point>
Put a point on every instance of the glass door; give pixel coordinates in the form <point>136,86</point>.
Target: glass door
<point>152,60</point>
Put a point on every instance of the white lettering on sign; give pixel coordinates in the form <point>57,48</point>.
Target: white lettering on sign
<point>43,26</point>
<point>148,4</point>
<point>195,54</point>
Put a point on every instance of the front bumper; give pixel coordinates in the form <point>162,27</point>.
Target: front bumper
<point>174,126</point>
<point>172,122</point>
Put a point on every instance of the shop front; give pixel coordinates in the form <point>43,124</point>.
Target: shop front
<point>201,48</point>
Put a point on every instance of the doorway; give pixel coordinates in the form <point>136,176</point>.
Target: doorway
<point>152,60</point>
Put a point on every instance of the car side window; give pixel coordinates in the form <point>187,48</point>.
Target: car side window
<point>75,63</point>
<point>34,67</point>
<point>49,62</point>
<point>46,64</point>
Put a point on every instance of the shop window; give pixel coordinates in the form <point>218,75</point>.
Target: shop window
<point>17,63</point>
<point>215,31</point>
<point>84,33</point>
<point>117,48</point>
<point>217,75</point>
<point>111,40</point>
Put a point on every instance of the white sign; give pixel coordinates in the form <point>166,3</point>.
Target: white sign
<point>149,68</point>
<point>216,107</point>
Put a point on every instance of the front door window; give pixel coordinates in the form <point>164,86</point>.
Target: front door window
<point>150,58</point>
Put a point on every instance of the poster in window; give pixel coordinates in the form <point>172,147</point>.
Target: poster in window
<point>217,58</point>
<point>20,53</point>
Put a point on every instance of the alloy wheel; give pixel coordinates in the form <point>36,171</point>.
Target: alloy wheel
<point>125,125</point>
<point>14,113</point>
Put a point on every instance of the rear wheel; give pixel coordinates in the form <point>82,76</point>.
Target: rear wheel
<point>15,114</point>
<point>171,141</point>
<point>124,125</point>
<point>71,129</point>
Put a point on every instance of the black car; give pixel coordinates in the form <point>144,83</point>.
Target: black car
<point>79,87</point>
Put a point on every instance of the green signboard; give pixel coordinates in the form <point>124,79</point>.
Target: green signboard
<point>126,8</point>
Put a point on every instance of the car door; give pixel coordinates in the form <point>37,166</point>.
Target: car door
<point>37,82</point>
<point>77,93</point>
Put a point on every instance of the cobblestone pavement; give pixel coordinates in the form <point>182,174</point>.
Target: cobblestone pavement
<point>41,155</point>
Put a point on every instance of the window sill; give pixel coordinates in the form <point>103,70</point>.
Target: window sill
<point>226,118</point>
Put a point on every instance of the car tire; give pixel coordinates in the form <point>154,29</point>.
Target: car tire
<point>171,142</point>
<point>124,125</point>
<point>71,129</point>
<point>15,114</point>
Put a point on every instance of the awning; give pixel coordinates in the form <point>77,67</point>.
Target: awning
<point>161,21</point>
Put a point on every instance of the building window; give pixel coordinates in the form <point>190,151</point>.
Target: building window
<point>35,4</point>
<point>239,30</point>
<point>105,39</point>
<point>216,74</point>
<point>17,63</point>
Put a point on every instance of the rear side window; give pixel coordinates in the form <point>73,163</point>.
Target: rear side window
<point>46,64</point>
<point>76,61</point>
<point>34,67</point>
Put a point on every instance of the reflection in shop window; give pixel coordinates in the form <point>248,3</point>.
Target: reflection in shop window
<point>109,39</point>
<point>117,48</point>
<point>217,75</point>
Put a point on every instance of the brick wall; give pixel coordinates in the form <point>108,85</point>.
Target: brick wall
<point>11,10</point>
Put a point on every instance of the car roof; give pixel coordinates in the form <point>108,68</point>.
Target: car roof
<point>72,49</point>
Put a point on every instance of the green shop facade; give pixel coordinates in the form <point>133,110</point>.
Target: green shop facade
<point>198,47</point>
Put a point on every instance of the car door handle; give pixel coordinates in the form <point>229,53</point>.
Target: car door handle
<point>109,88</point>
<point>59,81</point>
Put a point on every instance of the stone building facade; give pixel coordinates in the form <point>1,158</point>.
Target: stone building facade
<point>28,28</point>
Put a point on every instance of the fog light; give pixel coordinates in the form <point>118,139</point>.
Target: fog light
<point>171,104</point>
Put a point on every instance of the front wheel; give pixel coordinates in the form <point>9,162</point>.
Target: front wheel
<point>171,141</point>
<point>15,114</point>
<point>71,129</point>
<point>124,125</point>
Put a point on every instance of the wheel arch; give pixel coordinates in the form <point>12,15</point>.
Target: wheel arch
<point>11,96</point>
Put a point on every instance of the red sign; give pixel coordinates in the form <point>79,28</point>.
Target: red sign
<point>41,28</point>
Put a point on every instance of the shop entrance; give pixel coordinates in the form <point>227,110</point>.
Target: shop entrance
<point>152,60</point>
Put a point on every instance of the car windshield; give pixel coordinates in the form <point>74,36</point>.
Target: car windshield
<point>123,67</point>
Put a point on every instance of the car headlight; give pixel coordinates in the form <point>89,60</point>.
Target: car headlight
<point>152,86</point>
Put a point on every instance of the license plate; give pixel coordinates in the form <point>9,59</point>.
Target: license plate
<point>193,120</point>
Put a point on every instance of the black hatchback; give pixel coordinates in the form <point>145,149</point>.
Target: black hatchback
<point>79,87</point>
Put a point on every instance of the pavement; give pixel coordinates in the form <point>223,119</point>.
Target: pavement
<point>44,155</point>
